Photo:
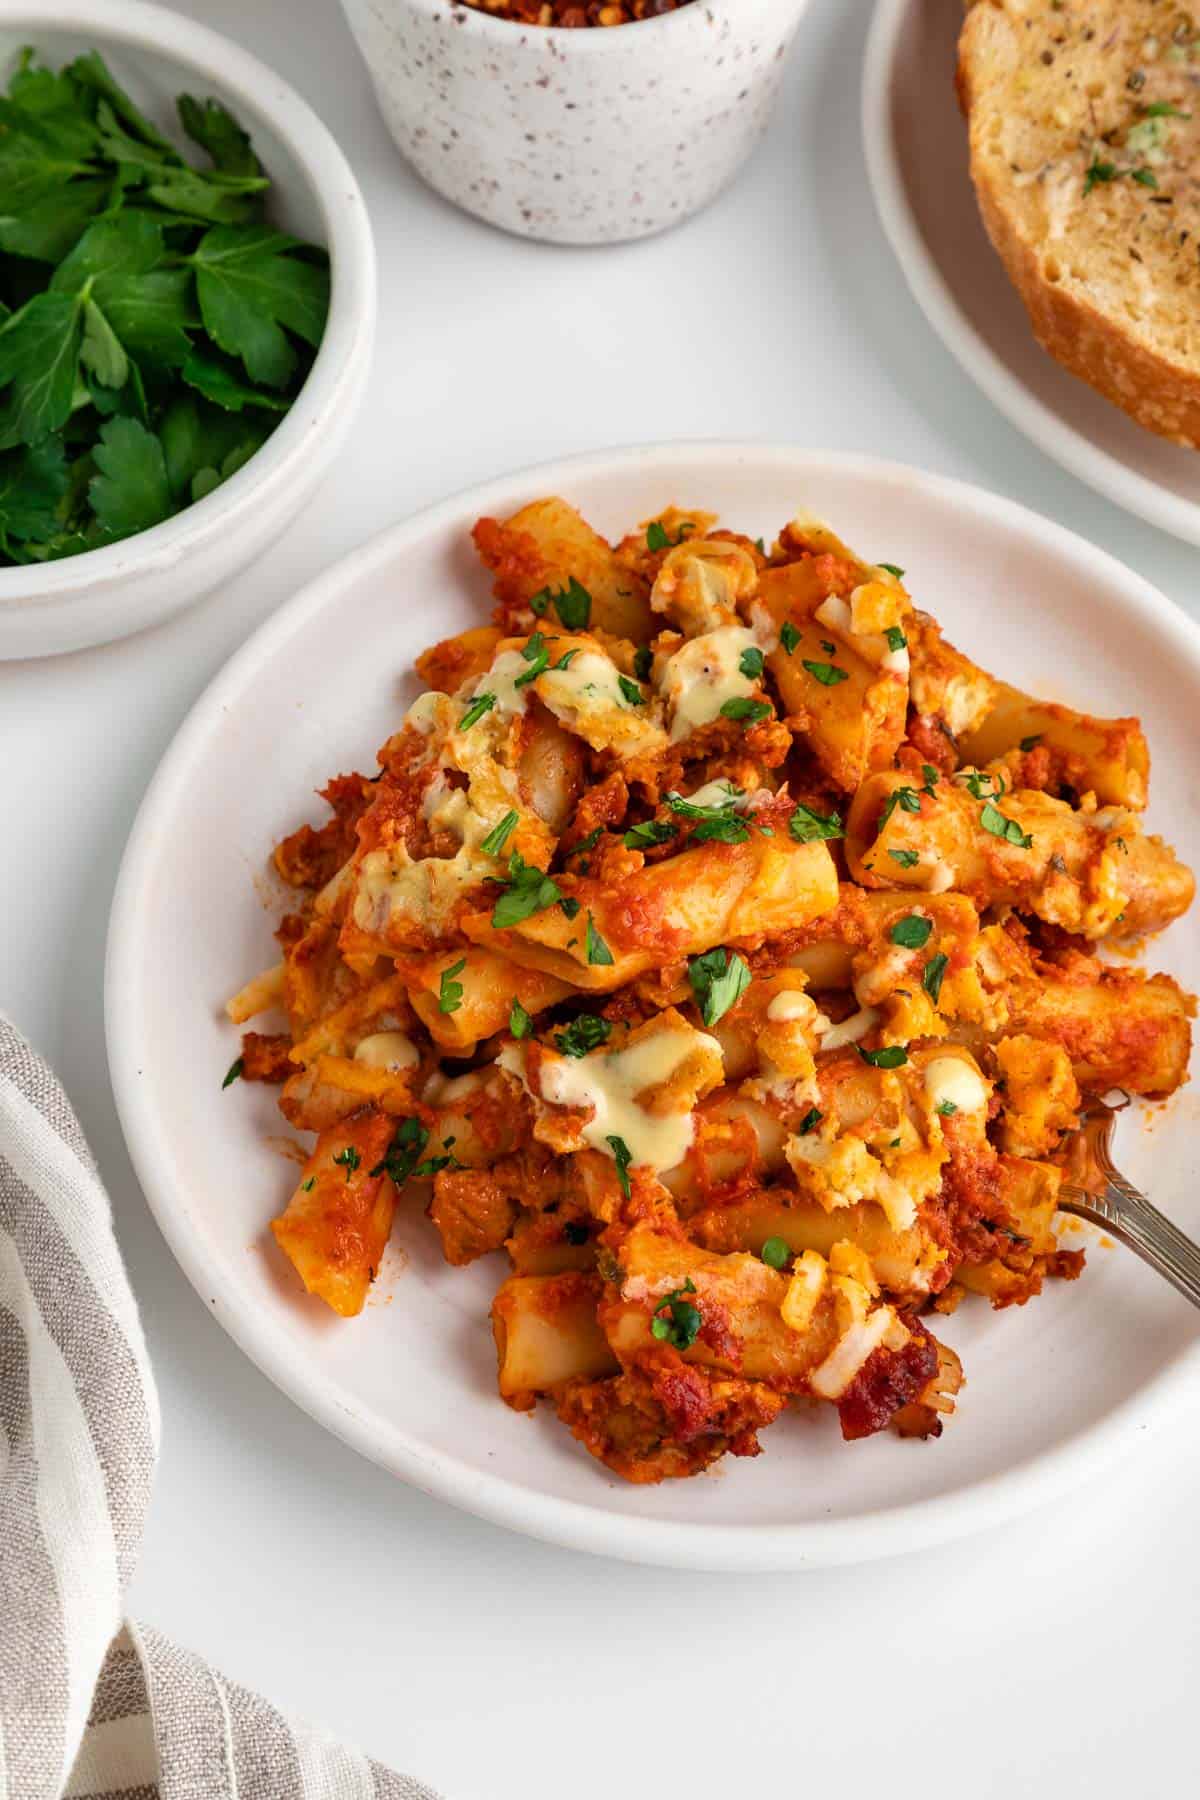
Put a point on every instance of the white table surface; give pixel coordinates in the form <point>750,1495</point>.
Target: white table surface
<point>1056,1656</point>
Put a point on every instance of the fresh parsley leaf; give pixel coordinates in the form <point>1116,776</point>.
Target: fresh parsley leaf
<point>911,932</point>
<point>33,484</point>
<point>520,1023</point>
<point>587,843</point>
<point>776,1253</point>
<point>809,1122</point>
<point>718,980</point>
<point>748,711</point>
<point>675,1320</point>
<point>726,828</point>
<point>90,71</point>
<point>1145,177</point>
<point>130,492</point>
<point>908,859</point>
<point>1000,826</point>
<point>215,381</point>
<point>250,287</point>
<point>687,809</point>
<point>1099,171</point>
<point>570,906</point>
<point>564,661</point>
<point>906,798</point>
<point>39,356</point>
<point>573,604</point>
<point>622,1158</point>
<point>653,831</point>
<point>499,835</point>
<point>657,537</point>
<point>216,130</point>
<point>931,979</point>
<point>308,1186</point>
<point>828,674</point>
<point>751,664</point>
<point>482,703</point>
<point>400,1159</point>
<point>630,691</point>
<point>450,992</point>
<point>643,662</point>
<point>537,656</point>
<point>595,948</point>
<point>529,890</point>
<point>896,639</point>
<point>807,826</point>
<point>101,349</point>
<point>1164,109</point>
<point>892,570</point>
<point>931,777</point>
<point>585,1033</point>
<point>789,637</point>
<point>234,1071</point>
<point>947,1108</point>
<point>892,1056</point>
<point>347,1159</point>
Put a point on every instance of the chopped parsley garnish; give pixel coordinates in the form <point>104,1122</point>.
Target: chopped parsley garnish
<point>931,777</point>
<point>481,704</point>
<point>596,949</point>
<point>1163,109</point>
<point>676,1321</point>
<point>687,809</point>
<point>931,979</point>
<point>657,537</point>
<point>573,604</point>
<point>347,1159</point>
<point>911,932</point>
<point>760,546</point>
<point>892,570</point>
<point>775,1252</point>
<point>1097,172</point>
<point>570,906</point>
<point>726,828</point>
<point>826,673</point>
<point>828,648</point>
<point>538,658</point>
<point>643,662</point>
<point>499,835</point>
<point>751,664</point>
<point>400,1158</point>
<point>653,831</point>
<point>1029,743</point>
<point>789,637</point>
<point>233,1072</point>
<point>807,826</point>
<point>718,979</point>
<point>587,843</point>
<point>564,661</point>
<point>896,639</point>
<point>529,890</point>
<point>585,1033</point>
<point>622,1158</point>
<point>630,691</point>
<point>1145,177</point>
<point>519,1021</point>
<point>892,1056</point>
<point>307,1187</point>
<point>999,826</point>
<point>450,992</point>
<point>947,1108</point>
<point>748,711</point>
<point>908,859</point>
<point>906,798</point>
<point>809,1122</point>
<point>978,784</point>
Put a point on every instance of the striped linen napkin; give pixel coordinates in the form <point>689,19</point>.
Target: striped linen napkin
<point>93,1705</point>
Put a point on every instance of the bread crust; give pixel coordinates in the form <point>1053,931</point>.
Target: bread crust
<point>1156,390</point>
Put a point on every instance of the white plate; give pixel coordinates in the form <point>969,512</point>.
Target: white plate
<point>411,1383</point>
<point>916,149</point>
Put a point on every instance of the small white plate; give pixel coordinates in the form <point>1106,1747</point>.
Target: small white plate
<point>916,149</point>
<point>411,1383</point>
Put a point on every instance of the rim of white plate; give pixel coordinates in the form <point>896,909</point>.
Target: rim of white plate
<point>1069,447</point>
<point>569,1523</point>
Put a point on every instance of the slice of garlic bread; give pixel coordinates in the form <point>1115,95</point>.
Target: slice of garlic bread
<point>1084,120</point>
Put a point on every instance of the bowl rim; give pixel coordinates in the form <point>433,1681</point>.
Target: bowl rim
<point>255,89</point>
<point>1029,1481</point>
<point>588,41</point>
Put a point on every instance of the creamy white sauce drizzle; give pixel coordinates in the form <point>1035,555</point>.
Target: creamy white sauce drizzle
<point>951,1081</point>
<point>702,675</point>
<point>610,1082</point>
<point>387,1050</point>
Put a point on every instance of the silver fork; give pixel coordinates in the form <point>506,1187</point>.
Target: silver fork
<point>1096,1190</point>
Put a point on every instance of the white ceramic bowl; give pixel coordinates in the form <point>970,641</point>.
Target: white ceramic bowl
<point>583,136</point>
<point>109,593</point>
<point>1052,1388</point>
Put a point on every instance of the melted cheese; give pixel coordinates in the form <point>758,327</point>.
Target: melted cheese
<point>501,680</point>
<point>698,680</point>
<point>850,1030</point>
<point>724,794</point>
<point>387,1050</point>
<point>609,1083</point>
<point>390,885</point>
<point>872,646</point>
<point>850,1352</point>
<point>587,697</point>
<point>424,715</point>
<point>792,1003</point>
<point>951,1081</point>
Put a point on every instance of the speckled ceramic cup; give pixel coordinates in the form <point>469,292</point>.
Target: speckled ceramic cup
<point>578,137</point>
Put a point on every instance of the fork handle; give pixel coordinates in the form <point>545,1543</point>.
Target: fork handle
<point>1121,1209</point>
